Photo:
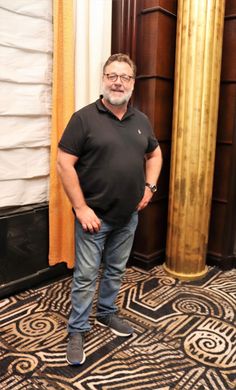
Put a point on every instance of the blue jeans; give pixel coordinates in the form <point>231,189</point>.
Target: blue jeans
<point>112,244</point>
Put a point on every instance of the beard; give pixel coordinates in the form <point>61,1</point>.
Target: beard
<point>116,100</point>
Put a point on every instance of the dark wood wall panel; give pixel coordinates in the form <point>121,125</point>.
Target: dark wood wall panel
<point>121,26</point>
<point>229,52</point>
<point>226,112</point>
<point>155,57</point>
<point>222,176</point>
<point>156,32</point>
<point>147,255</point>
<point>167,5</point>
<point>154,96</point>
<point>222,233</point>
<point>147,32</point>
<point>217,236</point>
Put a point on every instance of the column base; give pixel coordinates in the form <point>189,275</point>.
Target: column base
<point>184,276</point>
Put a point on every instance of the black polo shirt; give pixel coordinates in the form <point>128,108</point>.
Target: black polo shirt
<point>111,158</point>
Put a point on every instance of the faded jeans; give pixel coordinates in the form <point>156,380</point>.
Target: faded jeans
<point>112,244</point>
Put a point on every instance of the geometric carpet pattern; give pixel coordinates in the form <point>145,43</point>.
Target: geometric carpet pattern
<point>185,337</point>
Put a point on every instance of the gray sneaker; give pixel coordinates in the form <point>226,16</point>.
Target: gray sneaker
<point>116,324</point>
<point>75,354</point>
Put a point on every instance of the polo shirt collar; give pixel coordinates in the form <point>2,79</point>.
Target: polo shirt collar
<point>101,107</point>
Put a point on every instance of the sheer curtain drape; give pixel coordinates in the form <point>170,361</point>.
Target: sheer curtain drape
<point>92,47</point>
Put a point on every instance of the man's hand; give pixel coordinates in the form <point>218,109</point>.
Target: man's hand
<point>145,199</point>
<point>88,219</point>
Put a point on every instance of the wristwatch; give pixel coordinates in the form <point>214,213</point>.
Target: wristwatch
<point>152,187</point>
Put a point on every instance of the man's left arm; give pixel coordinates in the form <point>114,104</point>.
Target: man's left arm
<point>153,169</point>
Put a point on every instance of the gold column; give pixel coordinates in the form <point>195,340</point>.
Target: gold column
<point>197,80</point>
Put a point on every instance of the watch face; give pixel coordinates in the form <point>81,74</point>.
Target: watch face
<point>154,188</point>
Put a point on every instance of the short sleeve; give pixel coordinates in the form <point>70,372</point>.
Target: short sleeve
<point>152,144</point>
<point>73,138</point>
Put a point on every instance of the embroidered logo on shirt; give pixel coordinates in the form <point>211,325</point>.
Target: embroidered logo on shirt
<point>139,131</point>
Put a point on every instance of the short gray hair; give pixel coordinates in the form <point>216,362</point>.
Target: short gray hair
<point>120,57</point>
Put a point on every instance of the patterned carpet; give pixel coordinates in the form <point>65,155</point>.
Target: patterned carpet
<point>185,337</point>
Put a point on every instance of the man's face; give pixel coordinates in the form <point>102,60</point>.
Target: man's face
<point>117,92</point>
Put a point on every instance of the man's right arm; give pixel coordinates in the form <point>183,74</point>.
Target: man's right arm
<point>70,181</point>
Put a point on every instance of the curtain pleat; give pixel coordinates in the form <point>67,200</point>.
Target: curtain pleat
<point>92,47</point>
<point>25,101</point>
<point>61,221</point>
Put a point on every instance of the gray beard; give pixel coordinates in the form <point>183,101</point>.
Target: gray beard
<point>116,101</point>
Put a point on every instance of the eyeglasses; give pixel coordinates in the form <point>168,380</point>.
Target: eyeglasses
<point>124,78</point>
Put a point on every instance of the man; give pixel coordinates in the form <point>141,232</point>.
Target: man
<point>101,164</point>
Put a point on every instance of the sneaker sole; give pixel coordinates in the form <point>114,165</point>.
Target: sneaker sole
<point>113,330</point>
<point>77,363</point>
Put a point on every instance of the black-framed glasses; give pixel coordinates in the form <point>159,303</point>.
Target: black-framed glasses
<point>124,78</point>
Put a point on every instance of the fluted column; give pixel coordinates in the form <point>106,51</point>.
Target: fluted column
<point>197,81</point>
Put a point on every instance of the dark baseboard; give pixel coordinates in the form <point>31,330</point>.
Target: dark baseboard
<point>35,280</point>
<point>146,262</point>
<point>24,249</point>
<point>225,263</point>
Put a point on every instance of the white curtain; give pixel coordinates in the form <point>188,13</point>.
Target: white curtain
<point>26,88</point>
<point>25,100</point>
<point>92,47</point>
